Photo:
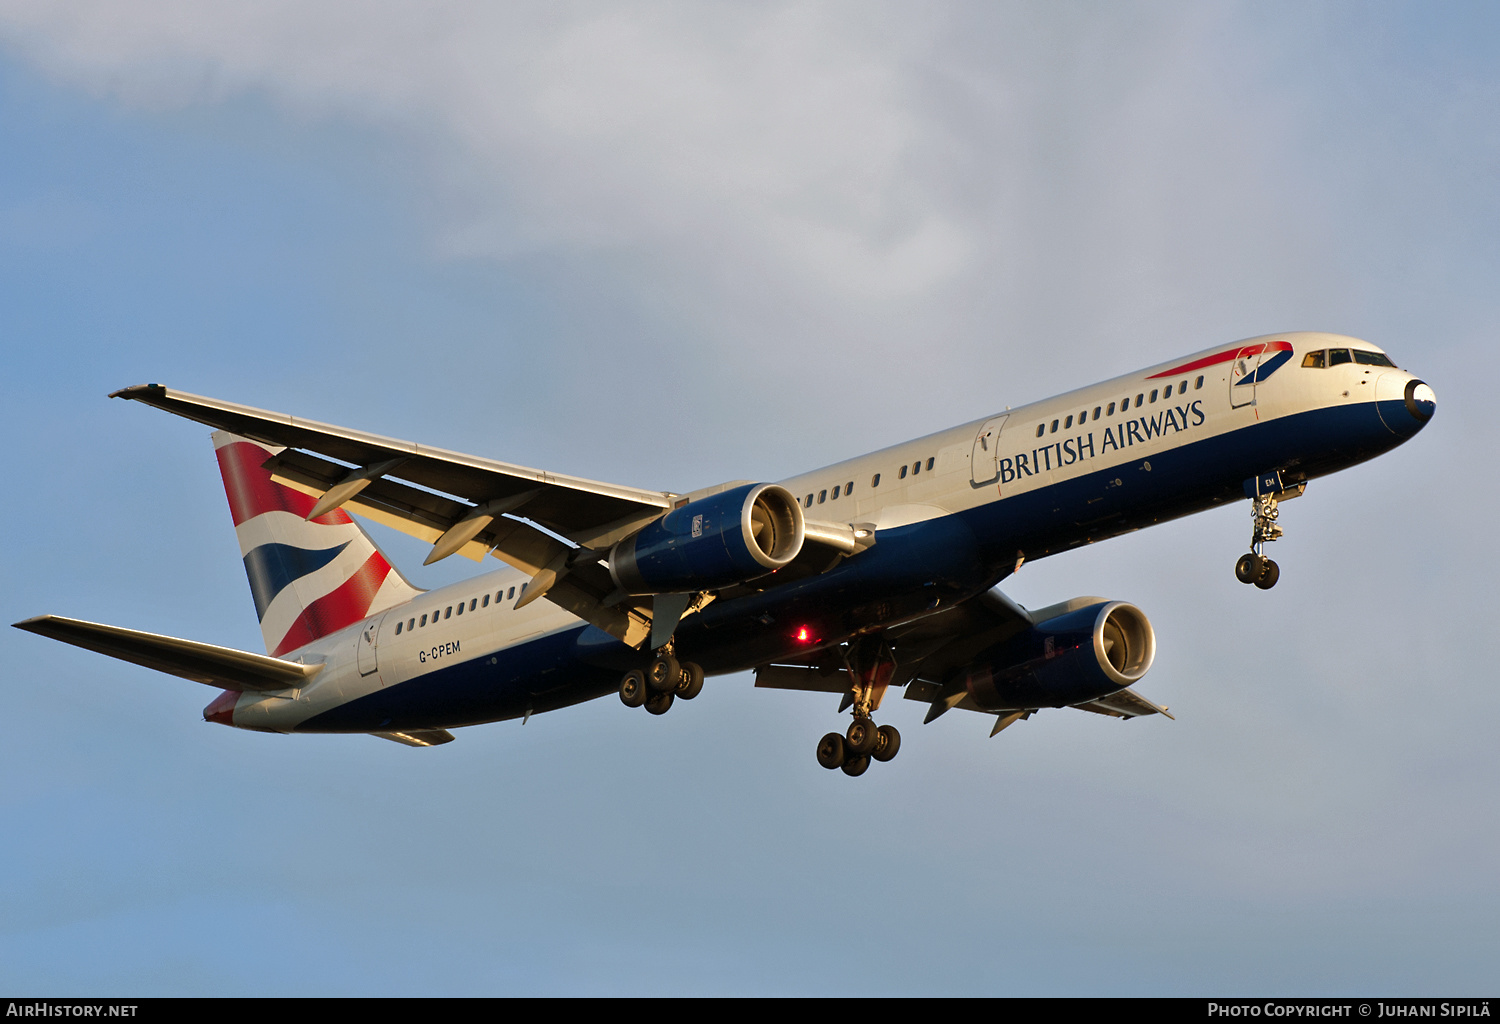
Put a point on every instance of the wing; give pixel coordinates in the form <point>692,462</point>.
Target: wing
<point>460,503</point>
<point>931,652</point>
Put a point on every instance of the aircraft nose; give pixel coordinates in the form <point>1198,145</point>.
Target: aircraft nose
<point>1421,402</point>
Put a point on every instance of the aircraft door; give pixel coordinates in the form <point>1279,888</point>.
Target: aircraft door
<point>369,646</point>
<point>1242,373</point>
<point>983,464</point>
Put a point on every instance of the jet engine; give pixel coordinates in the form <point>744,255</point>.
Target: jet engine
<point>1068,659</point>
<point>723,539</point>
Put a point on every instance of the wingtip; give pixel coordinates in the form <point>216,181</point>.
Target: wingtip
<point>137,391</point>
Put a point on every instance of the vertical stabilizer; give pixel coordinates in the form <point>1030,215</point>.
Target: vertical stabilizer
<point>309,578</point>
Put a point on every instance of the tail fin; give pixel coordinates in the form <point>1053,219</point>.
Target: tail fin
<point>309,578</point>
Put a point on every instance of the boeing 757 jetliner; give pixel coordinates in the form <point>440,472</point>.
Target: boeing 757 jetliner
<point>871,574</point>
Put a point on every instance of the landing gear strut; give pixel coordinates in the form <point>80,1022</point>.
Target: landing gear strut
<point>871,665</point>
<point>1255,567</point>
<point>663,680</point>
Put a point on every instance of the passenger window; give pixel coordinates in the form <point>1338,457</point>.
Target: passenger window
<point>875,480</point>
<point>808,501</point>
<point>1111,408</point>
<point>523,588</point>
<point>460,607</point>
<point>1096,412</point>
<point>424,619</point>
<point>448,612</point>
<point>1054,426</point>
<point>486,602</point>
<point>1068,423</point>
<point>1041,428</point>
<point>473,603</point>
<point>511,594</point>
<point>916,467</point>
<point>411,624</point>
<point>398,628</point>
<point>1199,385</point>
<point>1167,393</point>
<point>1083,417</point>
<point>822,497</point>
<point>1125,403</point>
<point>1313,360</point>
<point>903,472</point>
<point>1153,394</point>
<point>1338,356</point>
<point>1138,400</point>
<point>929,468</point>
<point>1182,387</point>
<point>849,488</point>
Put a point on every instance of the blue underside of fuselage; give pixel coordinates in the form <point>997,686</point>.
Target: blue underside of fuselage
<point>911,570</point>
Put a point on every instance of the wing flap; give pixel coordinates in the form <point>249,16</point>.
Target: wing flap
<point>1124,703</point>
<point>223,667</point>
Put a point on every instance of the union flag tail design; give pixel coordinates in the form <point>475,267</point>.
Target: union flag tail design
<point>309,578</point>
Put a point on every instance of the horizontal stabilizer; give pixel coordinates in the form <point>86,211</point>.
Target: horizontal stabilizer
<point>418,737</point>
<point>223,667</point>
<point>1125,703</point>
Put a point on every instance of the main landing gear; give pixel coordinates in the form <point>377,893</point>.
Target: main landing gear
<point>1255,567</point>
<point>663,680</point>
<point>871,665</point>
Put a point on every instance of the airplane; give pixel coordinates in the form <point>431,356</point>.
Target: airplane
<point>869,575</point>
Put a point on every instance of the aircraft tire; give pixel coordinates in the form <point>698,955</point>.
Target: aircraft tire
<point>659,703</point>
<point>1269,574</point>
<point>633,688</point>
<point>862,737</point>
<point>857,766</point>
<point>690,682</point>
<point>890,743</point>
<point>831,751</point>
<point>1247,569</point>
<point>662,674</point>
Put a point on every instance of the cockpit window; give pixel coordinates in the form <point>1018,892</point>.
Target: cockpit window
<point>1338,356</point>
<point>1316,360</point>
<point>1372,358</point>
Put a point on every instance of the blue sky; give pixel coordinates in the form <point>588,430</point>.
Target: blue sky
<point>667,245</point>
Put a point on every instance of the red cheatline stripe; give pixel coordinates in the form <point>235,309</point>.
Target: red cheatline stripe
<point>1198,364</point>
<point>338,608</point>
<point>1224,357</point>
<point>251,491</point>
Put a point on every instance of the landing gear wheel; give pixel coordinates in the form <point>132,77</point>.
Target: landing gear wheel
<point>857,765</point>
<point>1248,568</point>
<point>633,688</point>
<point>659,703</point>
<point>1269,574</point>
<point>662,673</point>
<point>861,738</point>
<point>831,751</point>
<point>889,743</point>
<point>690,682</point>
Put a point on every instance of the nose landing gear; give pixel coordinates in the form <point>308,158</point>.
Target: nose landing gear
<point>1255,567</point>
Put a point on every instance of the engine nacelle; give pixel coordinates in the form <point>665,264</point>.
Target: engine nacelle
<point>1071,658</point>
<point>718,541</point>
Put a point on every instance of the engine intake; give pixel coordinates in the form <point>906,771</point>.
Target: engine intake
<point>727,538</point>
<point>1071,658</point>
